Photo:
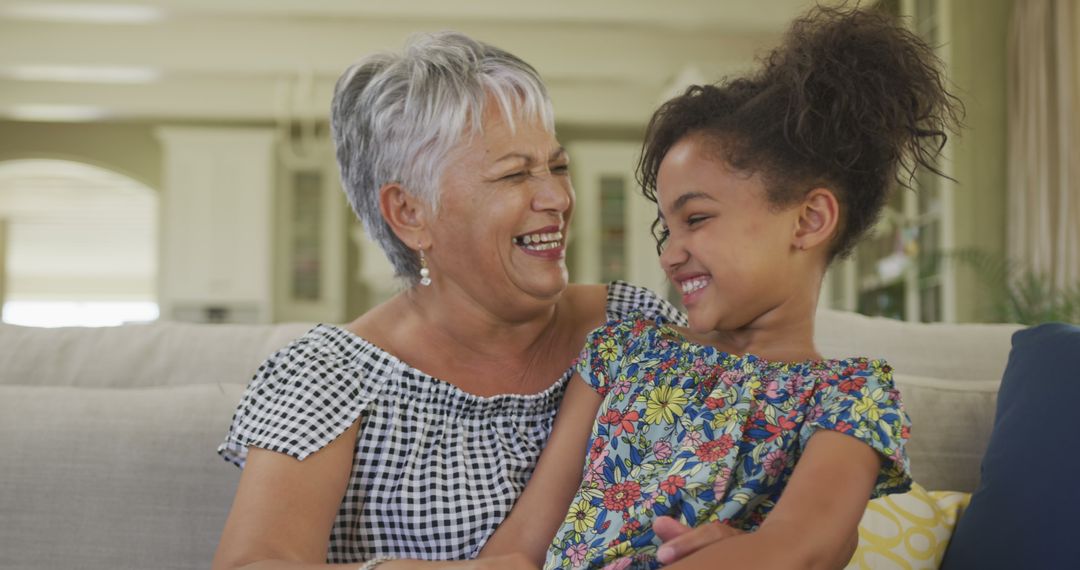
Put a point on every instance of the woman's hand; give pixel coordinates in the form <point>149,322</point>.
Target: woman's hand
<point>515,561</point>
<point>681,540</point>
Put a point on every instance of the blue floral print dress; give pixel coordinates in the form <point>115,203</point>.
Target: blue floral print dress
<point>688,431</point>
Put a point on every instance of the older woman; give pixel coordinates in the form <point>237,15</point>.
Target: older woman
<point>410,432</point>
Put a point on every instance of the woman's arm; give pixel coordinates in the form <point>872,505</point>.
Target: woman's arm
<point>284,510</point>
<point>537,514</point>
<point>815,523</point>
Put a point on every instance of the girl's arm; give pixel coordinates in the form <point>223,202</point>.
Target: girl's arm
<point>537,514</point>
<point>284,510</point>
<point>816,520</point>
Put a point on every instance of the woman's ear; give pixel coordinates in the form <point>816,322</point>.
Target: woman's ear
<point>819,216</point>
<point>406,214</point>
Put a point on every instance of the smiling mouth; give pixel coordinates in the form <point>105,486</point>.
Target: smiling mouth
<point>695,284</point>
<point>540,241</point>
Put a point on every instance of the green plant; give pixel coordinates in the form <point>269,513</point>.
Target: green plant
<point>1018,294</point>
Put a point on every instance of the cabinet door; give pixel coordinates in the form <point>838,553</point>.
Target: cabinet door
<point>310,244</point>
<point>611,233</point>
<point>216,214</point>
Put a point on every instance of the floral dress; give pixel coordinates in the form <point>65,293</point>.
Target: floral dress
<point>688,431</point>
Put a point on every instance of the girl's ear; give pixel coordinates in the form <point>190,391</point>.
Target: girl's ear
<point>819,216</point>
<point>406,214</point>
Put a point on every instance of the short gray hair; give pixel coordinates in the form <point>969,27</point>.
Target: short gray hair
<point>395,117</point>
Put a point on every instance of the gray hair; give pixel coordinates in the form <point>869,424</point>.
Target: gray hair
<point>395,117</point>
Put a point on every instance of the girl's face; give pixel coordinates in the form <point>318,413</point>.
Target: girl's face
<point>500,231</point>
<point>728,250</point>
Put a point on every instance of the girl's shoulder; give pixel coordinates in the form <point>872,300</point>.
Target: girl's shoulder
<point>632,325</point>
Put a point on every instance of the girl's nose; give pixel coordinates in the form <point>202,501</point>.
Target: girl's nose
<point>672,254</point>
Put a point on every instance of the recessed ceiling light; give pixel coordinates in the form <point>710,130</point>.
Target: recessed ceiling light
<point>81,73</point>
<point>55,113</point>
<point>90,13</point>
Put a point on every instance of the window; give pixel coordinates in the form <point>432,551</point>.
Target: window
<point>78,245</point>
<point>887,275</point>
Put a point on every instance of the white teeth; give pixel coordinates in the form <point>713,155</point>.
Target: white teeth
<point>694,284</point>
<point>540,242</point>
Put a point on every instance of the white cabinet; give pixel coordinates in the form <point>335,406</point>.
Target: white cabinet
<point>216,246</point>
<point>311,237</point>
<point>610,235</point>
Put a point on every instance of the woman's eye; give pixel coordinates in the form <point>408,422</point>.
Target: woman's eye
<point>693,220</point>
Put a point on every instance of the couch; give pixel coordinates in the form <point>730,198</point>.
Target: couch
<point>108,436</point>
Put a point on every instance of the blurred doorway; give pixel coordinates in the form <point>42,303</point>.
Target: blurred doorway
<point>78,245</point>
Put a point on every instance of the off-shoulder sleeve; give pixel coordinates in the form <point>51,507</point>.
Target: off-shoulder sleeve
<point>605,347</point>
<point>300,399</point>
<point>861,401</point>
<point>625,299</point>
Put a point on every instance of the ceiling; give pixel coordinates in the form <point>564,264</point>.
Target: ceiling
<point>607,62</point>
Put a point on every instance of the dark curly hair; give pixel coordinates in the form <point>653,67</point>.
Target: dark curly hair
<point>850,101</point>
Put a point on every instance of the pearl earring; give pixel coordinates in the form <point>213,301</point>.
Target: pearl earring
<point>425,273</point>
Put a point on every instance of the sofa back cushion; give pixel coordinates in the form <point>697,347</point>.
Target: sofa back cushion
<point>967,351</point>
<point>132,356</point>
<point>951,422</point>
<point>948,375</point>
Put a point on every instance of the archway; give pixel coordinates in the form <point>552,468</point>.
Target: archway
<point>78,245</point>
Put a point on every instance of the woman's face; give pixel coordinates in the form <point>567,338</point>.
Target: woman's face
<point>505,204</point>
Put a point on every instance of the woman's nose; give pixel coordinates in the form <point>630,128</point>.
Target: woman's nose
<point>555,194</point>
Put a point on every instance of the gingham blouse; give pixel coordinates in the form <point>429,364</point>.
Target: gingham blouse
<point>436,469</point>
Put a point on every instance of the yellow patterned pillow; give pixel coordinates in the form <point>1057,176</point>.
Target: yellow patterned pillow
<point>907,531</point>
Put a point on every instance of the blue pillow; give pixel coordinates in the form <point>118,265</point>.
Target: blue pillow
<point>1026,510</point>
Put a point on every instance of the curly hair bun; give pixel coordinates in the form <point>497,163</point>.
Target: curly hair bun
<point>849,101</point>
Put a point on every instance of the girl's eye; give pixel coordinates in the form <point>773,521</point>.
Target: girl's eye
<point>692,220</point>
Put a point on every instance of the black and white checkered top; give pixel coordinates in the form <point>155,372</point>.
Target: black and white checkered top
<point>436,468</point>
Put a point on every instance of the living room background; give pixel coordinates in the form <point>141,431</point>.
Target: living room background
<point>226,122</point>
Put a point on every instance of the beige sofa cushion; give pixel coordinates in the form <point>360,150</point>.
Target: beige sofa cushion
<point>113,478</point>
<point>931,350</point>
<point>951,423</point>
<point>948,375</point>
<point>158,354</point>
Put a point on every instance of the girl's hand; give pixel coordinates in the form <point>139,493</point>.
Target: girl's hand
<point>681,540</point>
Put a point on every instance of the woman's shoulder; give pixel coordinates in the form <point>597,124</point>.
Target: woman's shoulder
<point>621,300</point>
<point>325,350</point>
<point>626,299</point>
<point>306,394</point>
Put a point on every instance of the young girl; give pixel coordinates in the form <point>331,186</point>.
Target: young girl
<point>760,183</point>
